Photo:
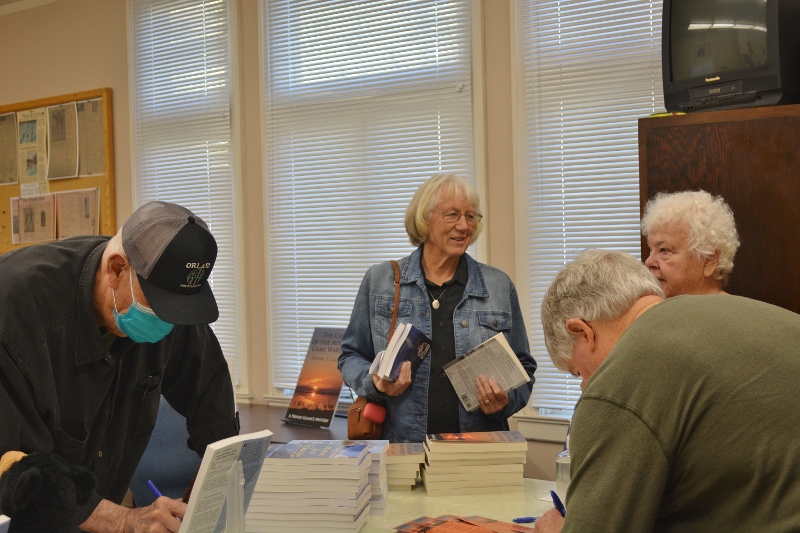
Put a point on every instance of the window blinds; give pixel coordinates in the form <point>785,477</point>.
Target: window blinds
<point>591,69</point>
<point>181,113</point>
<point>365,100</point>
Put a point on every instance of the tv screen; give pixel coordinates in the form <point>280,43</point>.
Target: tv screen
<point>714,36</point>
<point>725,54</point>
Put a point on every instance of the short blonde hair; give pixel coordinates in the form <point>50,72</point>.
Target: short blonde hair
<point>424,200</point>
<point>708,220</point>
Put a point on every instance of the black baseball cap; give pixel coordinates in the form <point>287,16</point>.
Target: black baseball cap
<point>172,252</point>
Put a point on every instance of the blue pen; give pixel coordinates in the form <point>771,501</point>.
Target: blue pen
<point>525,519</point>
<point>557,503</point>
<point>154,488</point>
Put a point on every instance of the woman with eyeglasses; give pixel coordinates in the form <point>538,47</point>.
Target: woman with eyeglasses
<point>454,300</point>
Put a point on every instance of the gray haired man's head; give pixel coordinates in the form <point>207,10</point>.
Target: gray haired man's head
<point>597,285</point>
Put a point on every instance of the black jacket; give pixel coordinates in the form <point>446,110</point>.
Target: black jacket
<point>63,390</point>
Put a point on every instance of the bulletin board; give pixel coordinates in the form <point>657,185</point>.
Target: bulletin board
<point>93,169</point>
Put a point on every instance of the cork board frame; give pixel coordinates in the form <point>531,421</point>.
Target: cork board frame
<point>105,181</point>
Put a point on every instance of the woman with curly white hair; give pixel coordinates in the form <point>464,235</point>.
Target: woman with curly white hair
<point>692,238</point>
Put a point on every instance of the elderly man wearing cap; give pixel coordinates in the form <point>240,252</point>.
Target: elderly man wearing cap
<point>93,331</point>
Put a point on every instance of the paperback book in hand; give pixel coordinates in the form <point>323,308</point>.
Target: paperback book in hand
<point>493,359</point>
<point>407,344</point>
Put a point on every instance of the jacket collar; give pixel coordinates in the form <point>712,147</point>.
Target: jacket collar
<point>89,345</point>
<point>411,272</point>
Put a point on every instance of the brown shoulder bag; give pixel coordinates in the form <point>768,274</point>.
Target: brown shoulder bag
<point>359,426</point>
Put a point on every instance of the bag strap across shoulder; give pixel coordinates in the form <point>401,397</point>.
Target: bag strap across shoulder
<point>396,295</point>
<point>394,320</point>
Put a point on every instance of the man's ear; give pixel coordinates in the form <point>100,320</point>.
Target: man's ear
<point>710,264</point>
<point>581,331</point>
<point>116,264</point>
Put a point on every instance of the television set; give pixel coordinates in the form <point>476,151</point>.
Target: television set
<point>725,54</point>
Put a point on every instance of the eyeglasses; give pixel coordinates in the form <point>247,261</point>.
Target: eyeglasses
<point>454,216</point>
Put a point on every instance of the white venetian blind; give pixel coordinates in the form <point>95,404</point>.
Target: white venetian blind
<point>592,68</point>
<point>181,112</point>
<point>365,100</point>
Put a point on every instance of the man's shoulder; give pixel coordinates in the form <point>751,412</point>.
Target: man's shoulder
<point>45,265</point>
<point>707,311</point>
<point>689,335</point>
<point>74,246</point>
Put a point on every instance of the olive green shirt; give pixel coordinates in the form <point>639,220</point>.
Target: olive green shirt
<point>692,423</point>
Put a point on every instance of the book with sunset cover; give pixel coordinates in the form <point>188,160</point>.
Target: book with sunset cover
<point>476,441</point>
<point>320,382</point>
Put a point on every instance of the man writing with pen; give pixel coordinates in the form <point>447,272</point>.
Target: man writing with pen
<point>92,332</point>
<point>689,417</point>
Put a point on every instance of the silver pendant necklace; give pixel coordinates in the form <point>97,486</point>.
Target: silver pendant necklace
<point>435,302</point>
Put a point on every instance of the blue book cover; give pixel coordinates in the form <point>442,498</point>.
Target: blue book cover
<point>414,348</point>
<point>318,452</point>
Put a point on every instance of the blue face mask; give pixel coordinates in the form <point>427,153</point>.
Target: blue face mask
<point>140,323</point>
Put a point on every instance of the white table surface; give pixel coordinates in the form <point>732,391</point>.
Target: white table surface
<point>403,506</point>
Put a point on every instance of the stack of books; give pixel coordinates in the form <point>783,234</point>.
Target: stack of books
<point>378,481</point>
<point>312,486</point>
<point>403,464</point>
<point>474,463</point>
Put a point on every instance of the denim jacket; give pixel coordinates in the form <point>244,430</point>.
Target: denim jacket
<point>489,305</point>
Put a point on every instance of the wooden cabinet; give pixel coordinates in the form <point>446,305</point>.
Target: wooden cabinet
<point>750,157</point>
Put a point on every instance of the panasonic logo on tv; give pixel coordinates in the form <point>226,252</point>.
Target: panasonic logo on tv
<point>716,78</point>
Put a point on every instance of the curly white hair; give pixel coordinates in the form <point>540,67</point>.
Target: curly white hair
<point>708,219</point>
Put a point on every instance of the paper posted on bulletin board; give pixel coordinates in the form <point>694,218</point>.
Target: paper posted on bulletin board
<point>54,170</point>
